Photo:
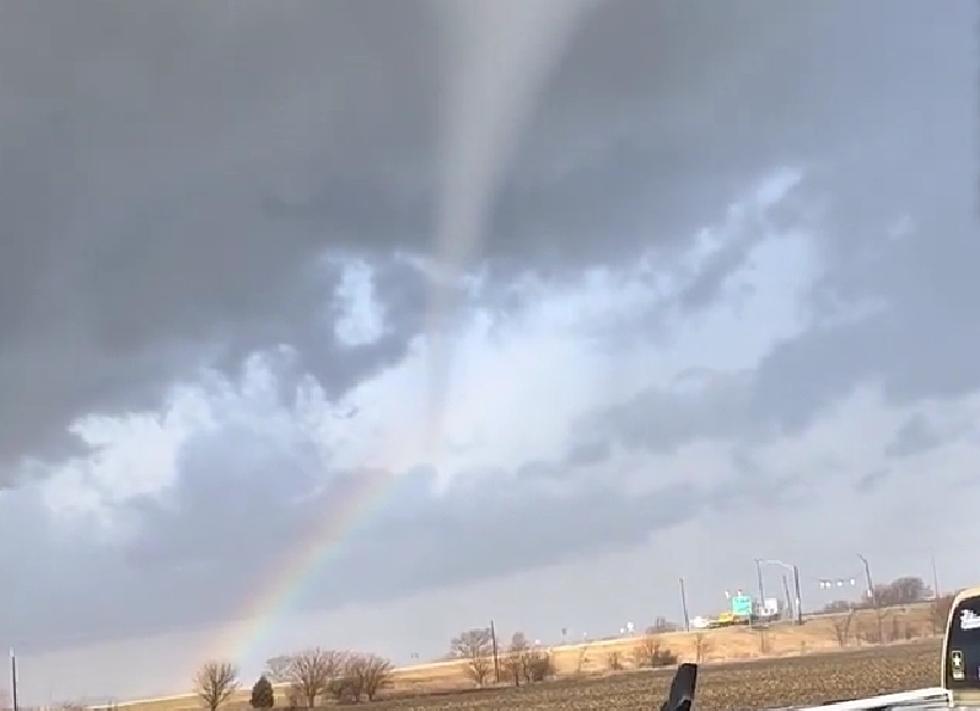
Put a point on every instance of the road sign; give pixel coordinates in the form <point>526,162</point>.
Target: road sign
<point>742,605</point>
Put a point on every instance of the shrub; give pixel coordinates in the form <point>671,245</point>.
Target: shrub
<point>538,666</point>
<point>648,653</point>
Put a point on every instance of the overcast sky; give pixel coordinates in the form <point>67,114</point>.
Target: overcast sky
<point>533,308</point>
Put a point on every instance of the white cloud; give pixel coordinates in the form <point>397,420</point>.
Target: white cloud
<point>361,320</point>
<point>131,455</point>
<point>138,454</point>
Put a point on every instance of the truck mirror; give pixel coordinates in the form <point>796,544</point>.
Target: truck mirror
<point>682,689</point>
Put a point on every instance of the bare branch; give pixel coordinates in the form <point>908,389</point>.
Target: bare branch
<point>311,671</point>
<point>215,682</point>
<point>476,646</point>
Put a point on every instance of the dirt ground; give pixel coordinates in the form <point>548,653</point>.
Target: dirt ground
<point>756,684</point>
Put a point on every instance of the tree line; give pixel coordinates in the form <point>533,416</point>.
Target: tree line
<point>901,591</point>
<point>307,676</point>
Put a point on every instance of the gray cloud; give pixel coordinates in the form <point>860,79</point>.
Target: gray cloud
<point>872,480</point>
<point>169,175</point>
<point>917,434</point>
<point>661,420</point>
<point>586,453</point>
<point>243,501</point>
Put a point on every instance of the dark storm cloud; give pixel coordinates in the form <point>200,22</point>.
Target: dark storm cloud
<point>170,172</point>
<point>141,149</point>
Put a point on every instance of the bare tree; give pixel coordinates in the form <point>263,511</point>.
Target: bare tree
<point>582,659</point>
<point>764,646</point>
<point>215,682</point>
<point>702,647</point>
<point>838,606</point>
<point>312,670</point>
<point>842,628</point>
<point>537,665</point>
<point>614,662</point>
<point>526,662</point>
<point>881,615</point>
<point>939,612</point>
<point>366,674</point>
<point>277,668</point>
<point>349,686</point>
<point>512,661</point>
<point>475,646</point>
<point>661,625</point>
<point>902,591</point>
<point>647,653</point>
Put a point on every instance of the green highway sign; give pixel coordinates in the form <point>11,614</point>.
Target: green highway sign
<point>742,605</point>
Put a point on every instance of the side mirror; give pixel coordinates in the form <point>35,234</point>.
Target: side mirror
<point>682,689</point>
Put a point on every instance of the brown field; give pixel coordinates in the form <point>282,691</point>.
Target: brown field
<point>759,684</point>
<point>742,668</point>
<point>912,622</point>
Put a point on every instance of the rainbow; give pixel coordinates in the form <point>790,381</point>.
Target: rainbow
<point>354,499</point>
<point>468,190</point>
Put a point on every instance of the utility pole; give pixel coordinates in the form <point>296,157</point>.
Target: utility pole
<point>13,678</point>
<point>687,619</point>
<point>799,602</point>
<point>796,583</point>
<point>762,590</point>
<point>872,594</point>
<point>935,579</point>
<point>496,662</point>
<point>789,598</point>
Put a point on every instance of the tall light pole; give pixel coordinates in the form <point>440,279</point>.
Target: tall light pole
<point>872,594</point>
<point>762,590</point>
<point>796,584</point>
<point>496,663</point>
<point>799,602</point>
<point>789,598</point>
<point>13,678</point>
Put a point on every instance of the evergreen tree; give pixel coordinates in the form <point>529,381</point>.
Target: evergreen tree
<point>262,696</point>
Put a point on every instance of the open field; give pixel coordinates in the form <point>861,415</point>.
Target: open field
<point>744,668</point>
<point>819,634</point>
<point>811,679</point>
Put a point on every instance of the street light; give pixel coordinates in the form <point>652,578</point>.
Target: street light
<point>796,583</point>
<point>762,589</point>
<point>872,595</point>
